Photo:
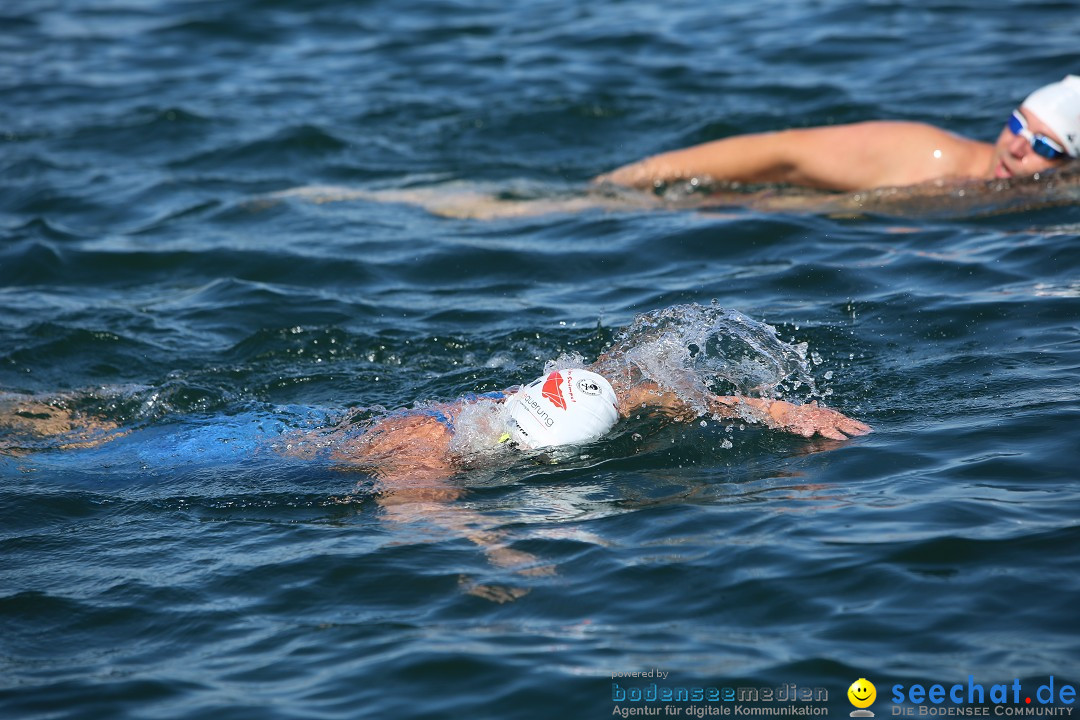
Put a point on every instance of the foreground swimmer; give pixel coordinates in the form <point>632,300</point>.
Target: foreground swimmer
<point>563,408</point>
<point>660,366</point>
<point>413,454</point>
<point>663,365</point>
<point>1043,133</point>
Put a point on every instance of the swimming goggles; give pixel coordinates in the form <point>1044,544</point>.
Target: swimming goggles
<point>1041,144</point>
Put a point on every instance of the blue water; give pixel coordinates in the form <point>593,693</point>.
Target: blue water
<point>150,277</point>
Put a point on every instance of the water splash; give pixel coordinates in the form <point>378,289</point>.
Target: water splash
<point>478,428</point>
<point>698,350</point>
<point>566,361</point>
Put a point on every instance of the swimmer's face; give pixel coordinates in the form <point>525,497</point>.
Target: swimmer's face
<point>862,693</point>
<point>1013,156</point>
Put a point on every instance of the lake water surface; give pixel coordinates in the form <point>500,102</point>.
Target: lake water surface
<point>150,275</point>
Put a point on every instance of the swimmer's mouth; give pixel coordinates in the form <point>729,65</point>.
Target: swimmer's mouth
<point>1002,171</point>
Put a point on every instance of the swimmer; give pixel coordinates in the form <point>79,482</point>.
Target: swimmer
<point>891,168</point>
<point>1043,133</point>
<point>414,454</point>
<point>562,408</point>
<point>655,367</point>
<point>659,366</point>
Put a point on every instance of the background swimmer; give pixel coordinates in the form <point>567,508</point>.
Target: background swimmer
<point>1043,133</point>
<point>887,167</point>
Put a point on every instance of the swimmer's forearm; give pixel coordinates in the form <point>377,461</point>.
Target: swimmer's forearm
<point>805,420</point>
<point>743,158</point>
<point>751,409</point>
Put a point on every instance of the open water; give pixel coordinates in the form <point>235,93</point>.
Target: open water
<point>153,275</point>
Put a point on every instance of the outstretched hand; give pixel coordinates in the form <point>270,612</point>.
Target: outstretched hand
<point>812,419</point>
<point>806,420</point>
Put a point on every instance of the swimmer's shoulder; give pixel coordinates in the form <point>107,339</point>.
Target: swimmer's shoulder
<point>891,153</point>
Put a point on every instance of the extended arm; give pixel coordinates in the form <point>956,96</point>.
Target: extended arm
<point>806,420</point>
<point>839,157</point>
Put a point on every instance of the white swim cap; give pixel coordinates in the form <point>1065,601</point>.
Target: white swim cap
<point>565,407</point>
<point>1058,105</point>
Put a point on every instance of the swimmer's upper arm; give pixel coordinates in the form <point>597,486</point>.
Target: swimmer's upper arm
<point>873,154</point>
<point>403,445</point>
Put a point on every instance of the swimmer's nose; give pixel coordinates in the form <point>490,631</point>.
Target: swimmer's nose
<point>1018,147</point>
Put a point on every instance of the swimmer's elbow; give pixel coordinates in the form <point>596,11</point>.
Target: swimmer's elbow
<point>639,175</point>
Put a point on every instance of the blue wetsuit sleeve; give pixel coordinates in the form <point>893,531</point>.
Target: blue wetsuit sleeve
<point>218,440</point>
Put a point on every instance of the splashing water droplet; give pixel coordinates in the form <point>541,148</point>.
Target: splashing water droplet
<point>695,350</point>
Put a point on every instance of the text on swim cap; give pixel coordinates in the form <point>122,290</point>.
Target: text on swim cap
<point>538,412</point>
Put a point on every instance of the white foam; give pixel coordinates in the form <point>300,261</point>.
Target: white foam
<point>692,349</point>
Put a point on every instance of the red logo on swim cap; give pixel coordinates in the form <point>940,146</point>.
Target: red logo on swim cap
<point>553,390</point>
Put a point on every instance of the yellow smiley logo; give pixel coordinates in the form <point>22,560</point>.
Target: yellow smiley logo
<point>862,693</point>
